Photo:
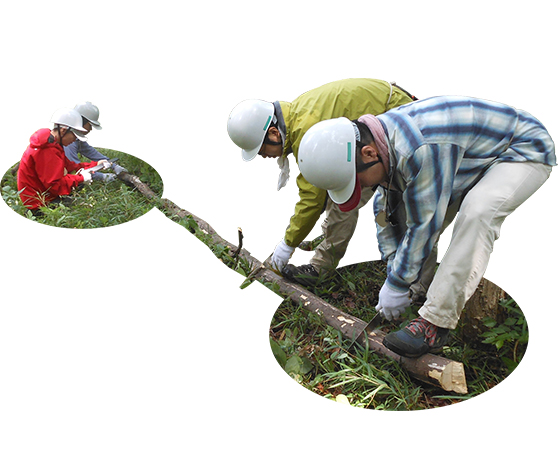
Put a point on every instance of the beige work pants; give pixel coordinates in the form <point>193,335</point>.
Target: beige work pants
<point>501,190</point>
<point>338,229</point>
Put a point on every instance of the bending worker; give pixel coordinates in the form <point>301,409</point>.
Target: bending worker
<point>43,174</point>
<point>90,117</point>
<point>276,129</point>
<point>432,160</point>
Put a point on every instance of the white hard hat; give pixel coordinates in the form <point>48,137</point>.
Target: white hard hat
<point>90,112</point>
<point>248,124</point>
<point>326,159</point>
<point>72,119</point>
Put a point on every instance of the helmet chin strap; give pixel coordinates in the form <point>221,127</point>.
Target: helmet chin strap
<point>361,166</point>
<point>271,142</point>
<point>61,136</point>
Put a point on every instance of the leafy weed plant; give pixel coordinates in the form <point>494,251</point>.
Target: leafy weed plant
<point>509,337</point>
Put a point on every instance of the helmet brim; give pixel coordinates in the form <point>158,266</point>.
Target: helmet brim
<point>348,197</point>
<point>94,123</point>
<point>79,135</point>
<point>249,155</point>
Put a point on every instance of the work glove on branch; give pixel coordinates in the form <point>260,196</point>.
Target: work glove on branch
<point>281,256</point>
<point>118,169</point>
<point>392,303</point>
<point>104,177</point>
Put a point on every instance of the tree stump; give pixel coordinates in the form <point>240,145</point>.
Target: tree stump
<point>484,303</point>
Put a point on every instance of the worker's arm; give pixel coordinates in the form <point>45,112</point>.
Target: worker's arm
<point>307,212</point>
<point>429,183</point>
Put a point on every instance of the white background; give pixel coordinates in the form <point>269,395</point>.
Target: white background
<point>134,339</point>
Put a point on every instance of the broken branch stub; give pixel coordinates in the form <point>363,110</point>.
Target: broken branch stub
<point>434,370</point>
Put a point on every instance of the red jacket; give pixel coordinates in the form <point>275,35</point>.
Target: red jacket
<point>42,174</point>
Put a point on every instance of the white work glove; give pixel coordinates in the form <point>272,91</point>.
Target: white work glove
<point>392,303</point>
<point>104,177</point>
<point>106,164</point>
<point>86,175</point>
<point>118,169</point>
<point>281,256</point>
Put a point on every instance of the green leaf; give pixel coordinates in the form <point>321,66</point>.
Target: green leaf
<point>279,354</point>
<point>510,363</point>
<point>502,329</point>
<point>307,366</point>
<point>297,365</point>
<point>245,284</point>
<point>292,366</point>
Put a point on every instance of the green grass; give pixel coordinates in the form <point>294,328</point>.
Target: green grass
<point>312,353</point>
<point>316,356</point>
<point>96,205</point>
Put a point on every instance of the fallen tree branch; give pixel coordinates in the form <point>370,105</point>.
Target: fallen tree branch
<point>434,370</point>
<point>134,181</point>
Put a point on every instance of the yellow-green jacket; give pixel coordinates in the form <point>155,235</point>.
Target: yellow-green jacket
<point>349,98</point>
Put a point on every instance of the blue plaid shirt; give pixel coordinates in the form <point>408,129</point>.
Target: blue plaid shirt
<point>439,148</point>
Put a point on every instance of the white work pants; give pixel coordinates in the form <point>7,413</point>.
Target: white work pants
<point>501,190</point>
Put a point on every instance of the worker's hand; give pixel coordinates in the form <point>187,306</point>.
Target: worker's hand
<point>106,164</point>
<point>392,303</point>
<point>281,256</point>
<point>86,175</point>
<point>118,169</point>
<point>104,177</point>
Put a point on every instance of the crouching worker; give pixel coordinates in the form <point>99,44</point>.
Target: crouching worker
<point>433,160</point>
<point>43,174</point>
<point>90,118</point>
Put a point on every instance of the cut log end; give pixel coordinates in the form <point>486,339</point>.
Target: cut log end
<point>435,370</point>
<point>451,377</point>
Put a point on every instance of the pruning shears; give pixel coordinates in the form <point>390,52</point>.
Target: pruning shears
<point>98,167</point>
